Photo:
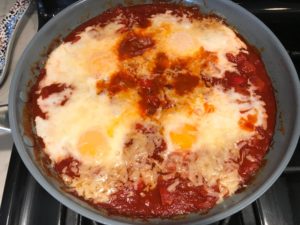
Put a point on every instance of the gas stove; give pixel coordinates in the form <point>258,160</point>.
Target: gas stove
<point>26,202</point>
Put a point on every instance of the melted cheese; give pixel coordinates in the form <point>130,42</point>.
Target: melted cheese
<point>180,37</point>
<point>93,127</point>
<point>83,113</point>
<point>90,58</point>
<point>213,135</point>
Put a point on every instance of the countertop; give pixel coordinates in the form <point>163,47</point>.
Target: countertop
<point>27,29</point>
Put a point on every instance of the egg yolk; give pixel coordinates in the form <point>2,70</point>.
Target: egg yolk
<point>185,137</point>
<point>92,143</point>
<point>126,115</point>
<point>186,46</point>
<point>209,108</point>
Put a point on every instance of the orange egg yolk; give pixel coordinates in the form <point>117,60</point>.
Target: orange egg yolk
<point>185,137</point>
<point>92,143</point>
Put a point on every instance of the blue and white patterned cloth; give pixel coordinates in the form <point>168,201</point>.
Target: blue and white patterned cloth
<point>8,25</point>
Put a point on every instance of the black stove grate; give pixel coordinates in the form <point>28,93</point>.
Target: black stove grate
<point>25,202</point>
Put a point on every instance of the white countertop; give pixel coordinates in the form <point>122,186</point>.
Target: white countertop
<point>5,150</point>
<point>27,29</point>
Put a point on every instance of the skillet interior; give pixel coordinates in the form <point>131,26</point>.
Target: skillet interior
<point>279,67</point>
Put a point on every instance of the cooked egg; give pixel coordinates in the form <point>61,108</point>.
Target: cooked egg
<point>179,37</point>
<point>184,137</point>
<point>93,125</point>
<point>93,144</point>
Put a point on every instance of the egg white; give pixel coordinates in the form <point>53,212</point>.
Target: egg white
<point>95,57</point>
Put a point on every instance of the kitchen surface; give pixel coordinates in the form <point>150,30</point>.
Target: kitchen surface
<point>25,202</point>
<point>28,27</point>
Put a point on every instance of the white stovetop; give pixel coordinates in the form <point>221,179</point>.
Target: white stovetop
<point>27,30</point>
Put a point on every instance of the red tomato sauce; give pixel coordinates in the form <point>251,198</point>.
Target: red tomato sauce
<point>55,88</point>
<point>160,202</point>
<point>68,166</point>
<point>33,96</point>
<point>252,69</point>
<point>185,83</point>
<point>140,14</point>
<point>134,45</point>
<point>151,91</point>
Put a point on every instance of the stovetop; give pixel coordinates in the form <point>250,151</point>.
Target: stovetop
<point>26,202</point>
